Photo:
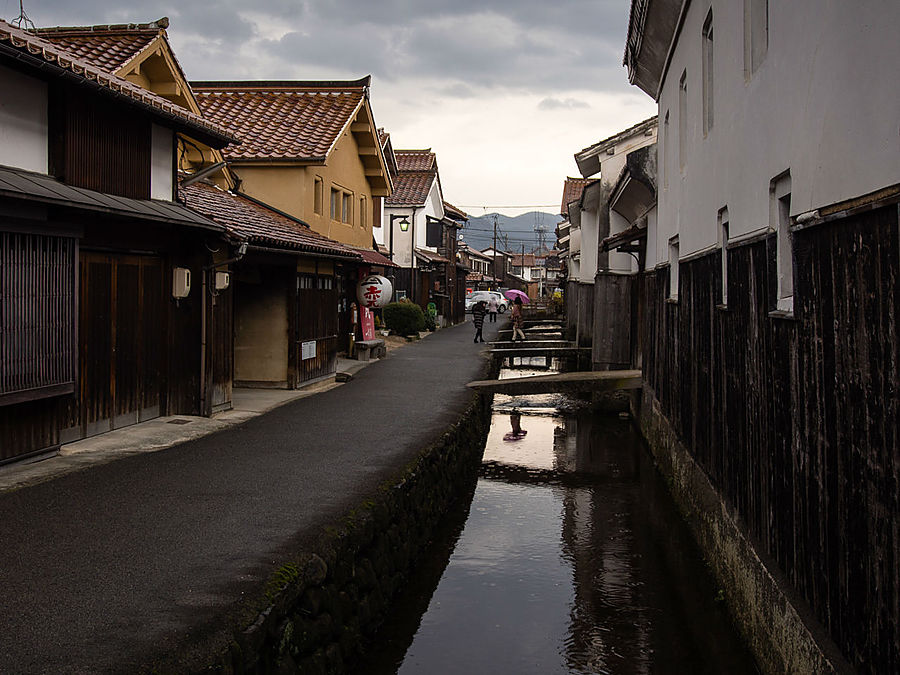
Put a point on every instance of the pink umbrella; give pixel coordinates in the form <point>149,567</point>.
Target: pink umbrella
<point>513,293</point>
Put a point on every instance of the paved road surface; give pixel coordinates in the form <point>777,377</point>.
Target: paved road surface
<point>103,569</point>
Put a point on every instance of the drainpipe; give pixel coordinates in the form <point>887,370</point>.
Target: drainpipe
<point>204,273</point>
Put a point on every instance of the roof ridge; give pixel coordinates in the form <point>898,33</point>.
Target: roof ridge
<point>250,85</point>
<point>112,28</point>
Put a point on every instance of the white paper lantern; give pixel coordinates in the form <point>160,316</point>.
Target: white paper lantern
<point>374,291</point>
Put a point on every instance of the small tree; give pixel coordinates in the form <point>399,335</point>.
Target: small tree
<point>404,318</point>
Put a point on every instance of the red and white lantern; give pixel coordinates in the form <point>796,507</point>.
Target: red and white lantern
<point>374,291</point>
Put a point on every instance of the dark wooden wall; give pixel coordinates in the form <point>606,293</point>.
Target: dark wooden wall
<point>98,146</point>
<point>613,317</point>
<point>795,420</point>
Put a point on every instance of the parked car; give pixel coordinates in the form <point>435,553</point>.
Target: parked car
<point>502,302</point>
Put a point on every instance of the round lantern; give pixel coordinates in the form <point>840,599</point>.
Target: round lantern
<point>374,291</point>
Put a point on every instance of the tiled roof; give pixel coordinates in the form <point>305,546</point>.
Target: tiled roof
<point>571,192</point>
<point>430,256</point>
<point>282,120</point>
<point>252,221</point>
<point>46,52</point>
<point>37,187</point>
<point>109,46</point>
<point>416,160</point>
<point>639,128</point>
<point>411,188</point>
<point>375,257</point>
<point>418,170</point>
<point>455,212</point>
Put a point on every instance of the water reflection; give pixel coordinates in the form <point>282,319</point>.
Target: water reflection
<point>572,560</point>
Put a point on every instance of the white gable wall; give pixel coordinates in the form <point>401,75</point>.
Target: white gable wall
<point>823,104</point>
<point>24,135</point>
<point>161,164</point>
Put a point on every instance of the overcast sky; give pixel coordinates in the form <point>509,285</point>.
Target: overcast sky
<point>504,91</point>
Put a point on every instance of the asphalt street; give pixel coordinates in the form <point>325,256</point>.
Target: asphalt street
<point>107,568</point>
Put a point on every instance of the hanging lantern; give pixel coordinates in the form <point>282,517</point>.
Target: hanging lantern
<point>374,291</point>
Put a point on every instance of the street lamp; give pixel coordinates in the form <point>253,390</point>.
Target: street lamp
<point>404,226</point>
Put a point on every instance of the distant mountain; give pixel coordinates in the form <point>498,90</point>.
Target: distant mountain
<point>512,232</point>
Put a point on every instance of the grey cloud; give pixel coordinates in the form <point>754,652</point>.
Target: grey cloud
<point>523,45</point>
<point>551,103</point>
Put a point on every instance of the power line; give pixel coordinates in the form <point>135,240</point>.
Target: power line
<point>514,206</point>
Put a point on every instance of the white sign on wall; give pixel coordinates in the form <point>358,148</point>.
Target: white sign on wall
<point>307,350</point>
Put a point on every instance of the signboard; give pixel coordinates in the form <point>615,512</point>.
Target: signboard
<point>374,291</point>
<point>307,350</point>
<point>367,323</point>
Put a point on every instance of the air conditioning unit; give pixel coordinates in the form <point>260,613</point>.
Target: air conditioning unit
<point>181,282</point>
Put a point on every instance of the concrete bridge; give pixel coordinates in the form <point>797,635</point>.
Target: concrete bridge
<point>564,383</point>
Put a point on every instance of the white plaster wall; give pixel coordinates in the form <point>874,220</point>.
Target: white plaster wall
<point>161,163</point>
<point>618,261</point>
<point>590,243</point>
<point>402,240</point>
<point>824,104</point>
<point>434,207</point>
<point>24,135</point>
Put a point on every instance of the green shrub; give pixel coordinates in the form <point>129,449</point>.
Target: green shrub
<point>404,318</point>
<point>430,322</point>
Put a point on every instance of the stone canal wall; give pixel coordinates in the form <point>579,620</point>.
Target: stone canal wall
<point>322,606</point>
<point>771,620</point>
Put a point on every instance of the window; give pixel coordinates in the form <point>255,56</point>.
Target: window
<point>723,230</point>
<point>682,119</point>
<point>708,73</point>
<point>335,204</point>
<point>318,195</point>
<point>780,219</point>
<point>326,283</point>
<point>346,207</point>
<point>756,34</point>
<point>673,267</point>
<point>37,316</point>
<point>363,216</point>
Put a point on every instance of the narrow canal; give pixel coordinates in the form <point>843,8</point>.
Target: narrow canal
<point>570,558</point>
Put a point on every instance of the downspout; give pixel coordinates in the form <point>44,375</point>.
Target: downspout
<point>204,273</point>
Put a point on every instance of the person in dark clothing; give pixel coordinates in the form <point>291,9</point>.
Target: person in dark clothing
<point>478,312</point>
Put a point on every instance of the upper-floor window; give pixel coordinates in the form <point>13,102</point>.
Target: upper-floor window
<point>318,195</point>
<point>666,152</point>
<point>724,236</point>
<point>756,34</point>
<point>335,204</point>
<point>682,119</point>
<point>780,219</point>
<point>673,267</point>
<point>346,208</point>
<point>708,73</point>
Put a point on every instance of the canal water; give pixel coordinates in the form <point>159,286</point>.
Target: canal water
<point>570,558</point>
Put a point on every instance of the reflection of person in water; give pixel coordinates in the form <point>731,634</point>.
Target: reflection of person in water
<point>515,420</point>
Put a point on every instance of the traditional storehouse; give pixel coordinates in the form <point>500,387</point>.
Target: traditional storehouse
<point>578,296</point>
<point>101,323</point>
<point>769,304</point>
<point>601,165</point>
<point>311,151</point>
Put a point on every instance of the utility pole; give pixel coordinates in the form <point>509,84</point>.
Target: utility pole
<point>494,270</point>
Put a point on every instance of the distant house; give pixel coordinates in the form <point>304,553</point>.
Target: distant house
<point>100,313</point>
<point>769,305</point>
<point>420,233</point>
<point>479,277</point>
